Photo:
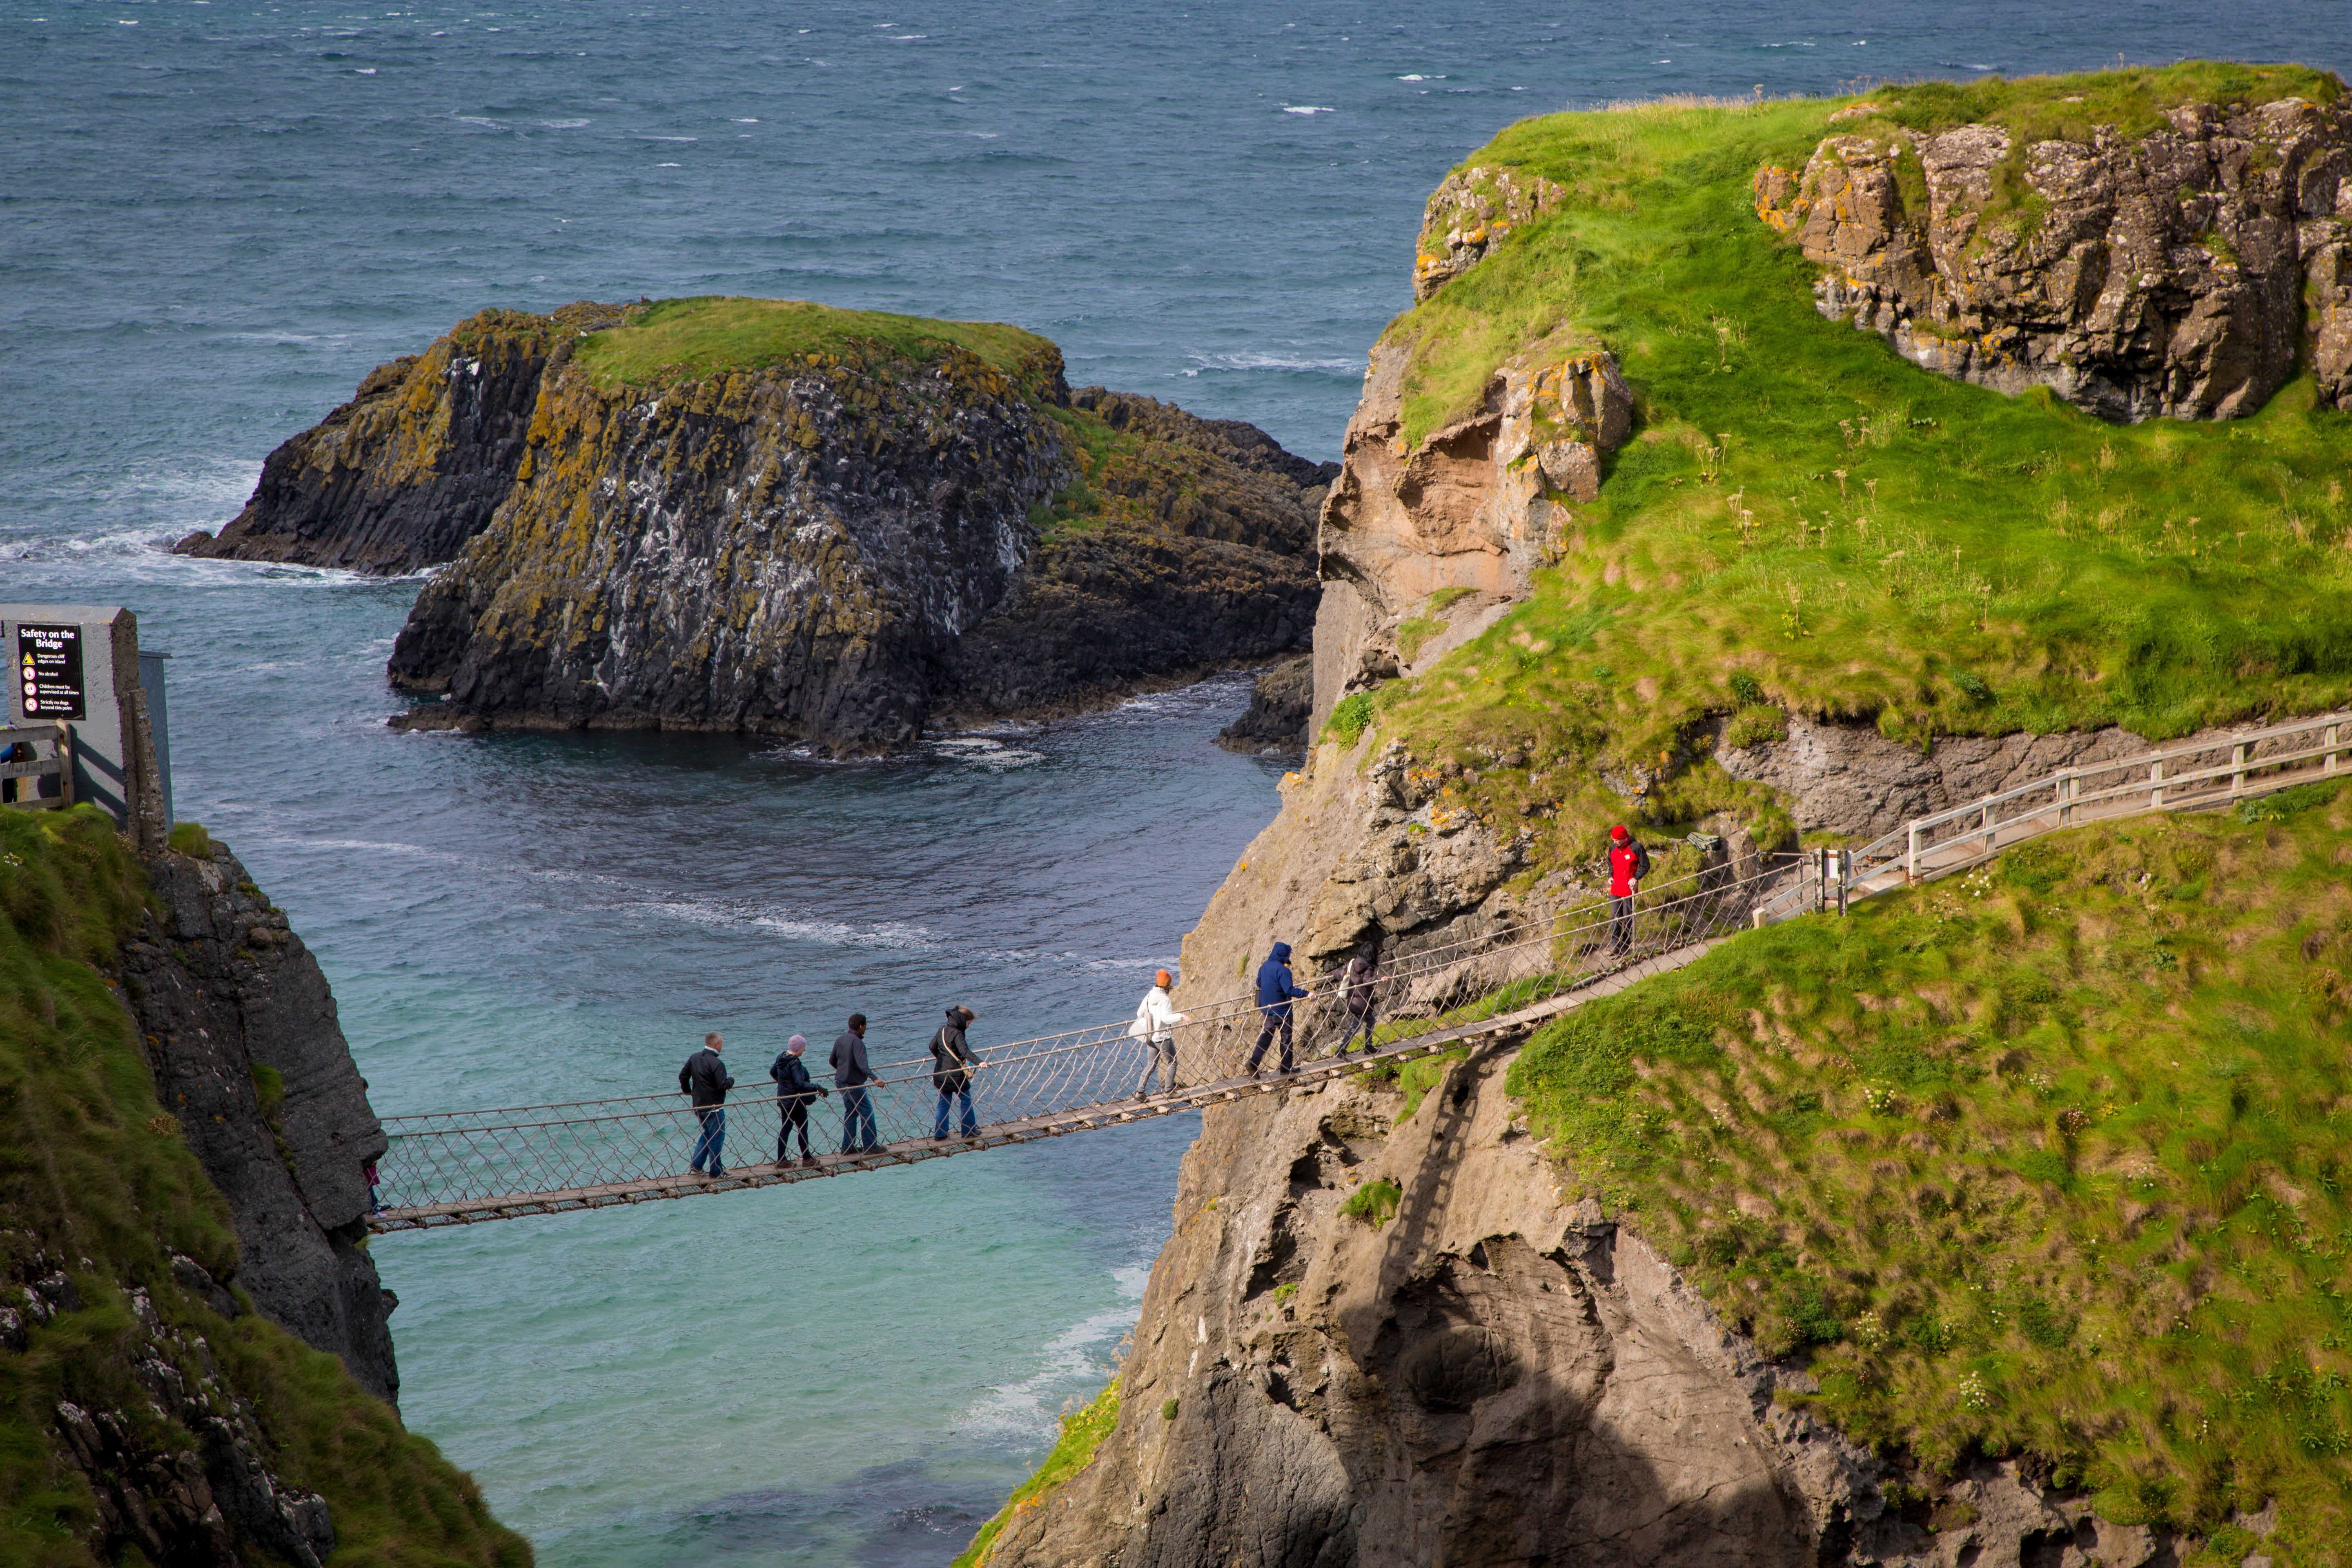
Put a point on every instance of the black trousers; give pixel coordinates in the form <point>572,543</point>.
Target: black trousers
<point>795,1114</point>
<point>1265,1037</point>
<point>1620,925</point>
<point>1363,1021</point>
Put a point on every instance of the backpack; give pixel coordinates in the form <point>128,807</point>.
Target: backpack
<point>1641,858</point>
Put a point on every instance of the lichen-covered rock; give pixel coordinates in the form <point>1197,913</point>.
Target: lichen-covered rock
<point>401,476</point>
<point>2164,275</point>
<point>843,546</point>
<point>241,1033</point>
<point>1472,211</point>
<point>793,550</point>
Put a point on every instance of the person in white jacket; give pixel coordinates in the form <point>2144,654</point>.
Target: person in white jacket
<point>1155,1025</point>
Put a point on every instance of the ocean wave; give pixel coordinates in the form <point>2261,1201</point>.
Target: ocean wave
<point>563,124</point>
<point>1307,109</point>
<point>1351,363</point>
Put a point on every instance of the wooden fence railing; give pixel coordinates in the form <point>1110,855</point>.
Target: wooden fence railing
<point>31,754</point>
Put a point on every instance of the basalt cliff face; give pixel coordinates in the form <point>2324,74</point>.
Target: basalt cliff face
<point>242,1036</point>
<point>2185,274</point>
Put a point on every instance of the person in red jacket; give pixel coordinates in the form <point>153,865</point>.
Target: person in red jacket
<point>1628,864</point>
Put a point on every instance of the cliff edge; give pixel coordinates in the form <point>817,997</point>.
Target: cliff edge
<point>193,1366</point>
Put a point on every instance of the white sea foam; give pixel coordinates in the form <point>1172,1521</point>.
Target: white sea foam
<point>1079,1355</point>
<point>563,124</point>
<point>669,165</point>
<point>982,751</point>
<point>1307,109</point>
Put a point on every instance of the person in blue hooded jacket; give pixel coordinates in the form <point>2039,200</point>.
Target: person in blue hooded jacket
<point>1275,992</point>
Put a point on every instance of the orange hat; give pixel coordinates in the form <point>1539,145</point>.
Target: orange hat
<point>1618,833</point>
<point>1164,978</point>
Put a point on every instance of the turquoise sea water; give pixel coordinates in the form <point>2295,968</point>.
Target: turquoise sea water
<point>216,215</point>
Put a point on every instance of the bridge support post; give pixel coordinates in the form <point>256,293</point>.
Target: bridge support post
<point>1989,829</point>
<point>2328,766</point>
<point>2156,785</point>
<point>1911,861</point>
<point>2238,762</point>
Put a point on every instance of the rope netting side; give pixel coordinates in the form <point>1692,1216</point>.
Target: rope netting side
<point>472,1157</point>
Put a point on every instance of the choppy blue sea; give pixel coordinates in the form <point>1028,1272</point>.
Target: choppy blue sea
<point>216,215</point>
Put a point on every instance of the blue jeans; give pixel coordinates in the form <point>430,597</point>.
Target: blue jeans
<point>712,1139</point>
<point>971,1123</point>
<point>856,1114</point>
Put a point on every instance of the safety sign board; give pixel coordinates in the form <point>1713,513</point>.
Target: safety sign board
<point>48,671</point>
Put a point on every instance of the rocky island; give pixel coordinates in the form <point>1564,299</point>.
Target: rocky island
<point>1758,473</point>
<point>777,517</point>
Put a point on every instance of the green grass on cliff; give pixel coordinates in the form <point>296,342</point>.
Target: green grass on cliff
<point>1804,511</point>
<point>689,340</point>
<point>2052,1160</point>
<point>92,1168</point>
<point>1082,1432</point>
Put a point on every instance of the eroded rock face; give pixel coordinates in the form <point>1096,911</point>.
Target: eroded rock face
<point>401,476</point>
<point>241,1033</point>
<point>2166,275</point>
<point>1475,507</point>
<point>792,551</point>
<point>1492,1378</point>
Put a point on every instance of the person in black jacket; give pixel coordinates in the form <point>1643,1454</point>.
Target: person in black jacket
<point>706,1083</point>
<point>853,1077</point>
<point>795,1092</point>
<point>952,1068</point>
<point>1359,991</point>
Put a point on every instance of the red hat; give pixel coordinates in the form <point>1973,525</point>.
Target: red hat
<point>1618,833</point>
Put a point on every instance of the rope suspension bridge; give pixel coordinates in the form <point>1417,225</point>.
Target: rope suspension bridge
<point>448,1168</point>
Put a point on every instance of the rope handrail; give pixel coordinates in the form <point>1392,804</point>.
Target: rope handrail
<point>1224,1010</point>
<point>454,1165</point>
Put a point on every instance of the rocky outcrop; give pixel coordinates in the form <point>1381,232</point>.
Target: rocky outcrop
<point>401,476</point>
<point>2182,274</point>
<point>1474,507</point>
<point>1280,700</point>
<point>187,1478</point>
<point>249,1060</point>
<point>1848,779</point>
<point>1471,213</point>
<point>1493,1376</point>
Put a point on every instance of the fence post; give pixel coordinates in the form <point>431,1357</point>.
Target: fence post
<point>1987,827</point>
<point>2060,794</point>
<point>1845,878</point>
<point>1911,863</point>
<point>2330,766</point>
<point>1820,880</point>
<point>2237,760</point>
<point>2156,785</point>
